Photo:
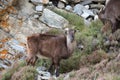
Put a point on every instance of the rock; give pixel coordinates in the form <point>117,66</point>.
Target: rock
<point>41,69</point>
<point>36,16</point>
<point>36,2</point>
<point>82,11</point>
<point>21,29</point>
<point>87,6</point>
<point>86,2</point>
<point>61,5</point>
<point>78,9</point>
<point>67,77</point>
<point>4,35</point>
<point>39,8</point>
<point>65,1</point>
<point>15,45</point>
<point>96,17</point>
<point>68,7</point>
<point>43,75</point>
<point>73,1</point>
<point>53,20</point>
<point>25,9</point>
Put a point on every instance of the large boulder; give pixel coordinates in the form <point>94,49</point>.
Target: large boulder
<point>21,29</point>
<point>53,20</point>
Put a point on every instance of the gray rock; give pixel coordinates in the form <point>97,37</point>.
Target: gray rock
<point>24,8</point>
<point>67,77</point>
<point>87,6</point>
<point>82,11</point>
<point>36,2</point>
<point>65,1</point>
<point>78,9</point>
<point>61,5</point>
<point>74,1</point>
<point>21,29</point>
<point>43,75</point>
<point>96,17</point>
<point>86,2</point>
<point>36,16</point>
<point>53,20</point>
<point>15,45</point>
<point>39,8</point>
<point>68,7</point>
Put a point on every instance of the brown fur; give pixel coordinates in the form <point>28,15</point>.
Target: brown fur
<point>51,46</point>
<point>111,13</point>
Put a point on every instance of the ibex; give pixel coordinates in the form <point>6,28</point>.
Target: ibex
<point>110,15</point>
<point>55,47</point>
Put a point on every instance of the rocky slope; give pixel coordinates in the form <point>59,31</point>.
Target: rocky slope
<point>21,18</point>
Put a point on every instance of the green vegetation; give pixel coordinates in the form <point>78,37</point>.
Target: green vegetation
<point>8,73</point>
<point>19,72</point>
<point>74,20</point>
<point>93,52</point>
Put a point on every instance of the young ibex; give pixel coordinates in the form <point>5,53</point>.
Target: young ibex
<point>55,47</point>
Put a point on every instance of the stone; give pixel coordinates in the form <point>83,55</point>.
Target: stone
<point>78,9</point>
<point>36,2</point>
<point>43,75</point>
<point>87,6</point>
<point>61,5</point>
<point>96,17</point>
<point>86,2</point>
<point>67,77</point>
<point>15,45</point>
<point>36,16</point>
<point>65,1</point>
<point>39,8</point>
<point>69,8</point>
<point>3,35</point>
<point>21,29</point>
<point>53,20</point>
<point>74,1</point>
<point>82,11</point>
